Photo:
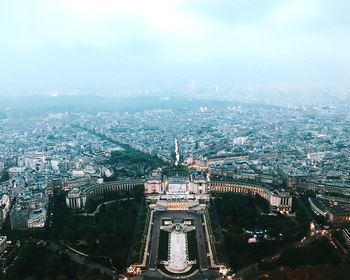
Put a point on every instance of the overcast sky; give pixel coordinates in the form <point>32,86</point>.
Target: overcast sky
<point>58,43</point>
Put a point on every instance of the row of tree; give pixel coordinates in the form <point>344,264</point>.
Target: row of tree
<point>239,214</point>
<point>35,261</point>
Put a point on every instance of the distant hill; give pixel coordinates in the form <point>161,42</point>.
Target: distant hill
<point>42,105</point>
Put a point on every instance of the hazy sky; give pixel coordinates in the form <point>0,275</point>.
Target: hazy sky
<point>60,43</point>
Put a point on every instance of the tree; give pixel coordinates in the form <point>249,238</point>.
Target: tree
<point>91,242</point>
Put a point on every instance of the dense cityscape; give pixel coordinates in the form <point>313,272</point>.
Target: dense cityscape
<point>177,160</point>
<point>178,139</point>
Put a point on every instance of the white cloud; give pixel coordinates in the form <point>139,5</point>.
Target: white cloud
<point>170,32</point>
<point>295,12</point>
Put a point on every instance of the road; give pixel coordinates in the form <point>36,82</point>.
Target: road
<point>98,208</point>
<point>202,252</point>
<point>209,235</point>
<point>307,210</point>
<point>81,260</point>
<point>154,241</point>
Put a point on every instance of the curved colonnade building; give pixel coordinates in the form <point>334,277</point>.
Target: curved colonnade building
<point>279,199</point>
<point>77,197</point>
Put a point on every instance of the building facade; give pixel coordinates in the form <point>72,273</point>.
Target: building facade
<point>77,197</point>
<point>280,200</point>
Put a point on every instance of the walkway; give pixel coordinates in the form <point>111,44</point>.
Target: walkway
<point>98,208</point>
